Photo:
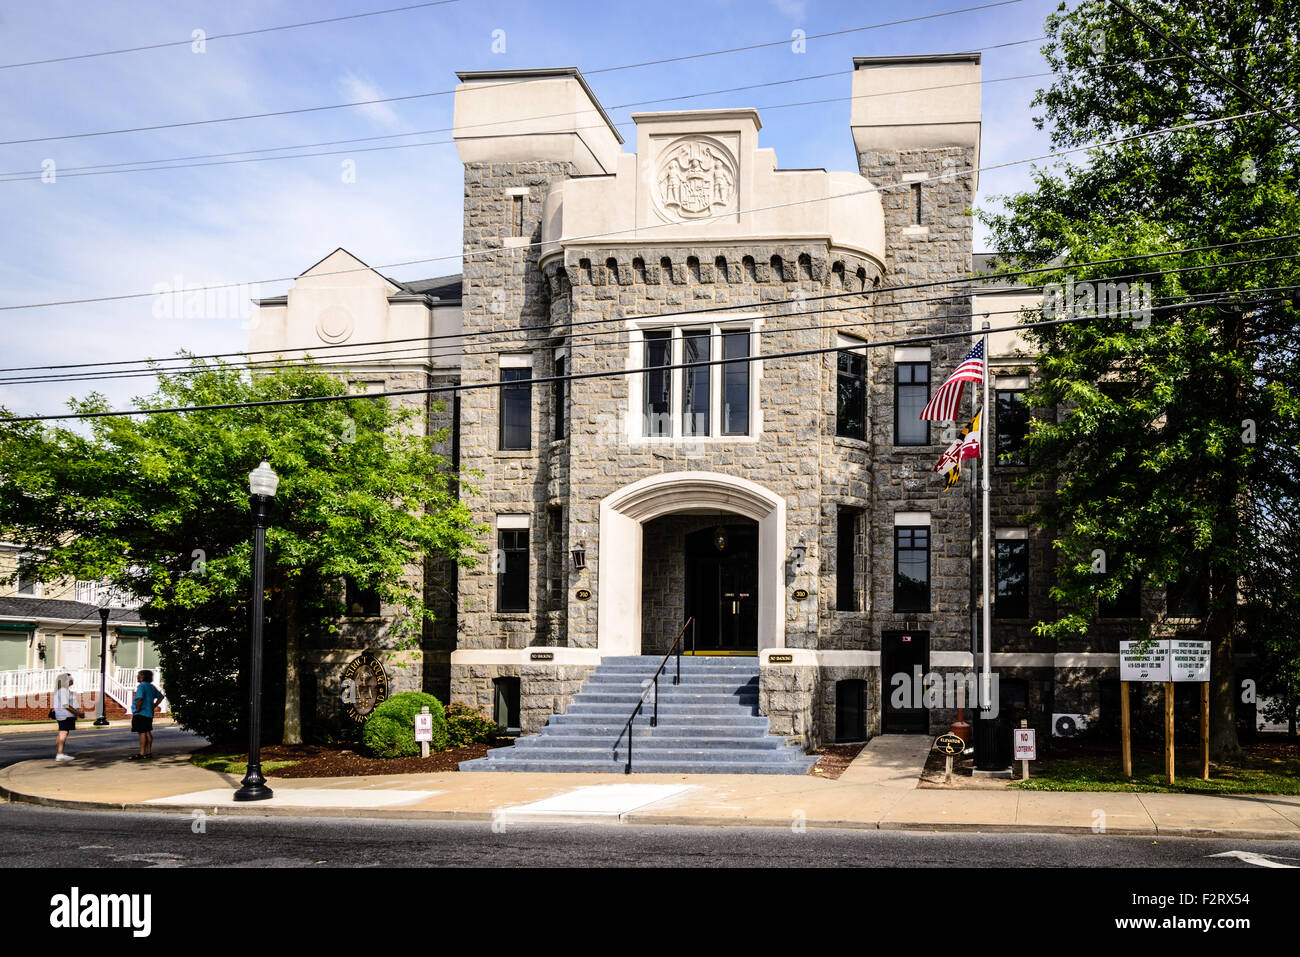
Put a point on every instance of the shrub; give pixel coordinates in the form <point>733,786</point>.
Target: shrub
<point>467,726</point>
<point>390,730</point>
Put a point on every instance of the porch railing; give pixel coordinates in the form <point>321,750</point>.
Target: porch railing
<point>676,646</point>
<point>32,683</point>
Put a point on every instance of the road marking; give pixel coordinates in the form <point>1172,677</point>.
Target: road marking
<point>1260,860</point>
<point>601,801</point>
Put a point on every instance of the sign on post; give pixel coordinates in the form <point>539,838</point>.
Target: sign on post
<point>1026,744</point>
<point>1144,660</point>
<point>1189,660</point>
<point>424,730</point>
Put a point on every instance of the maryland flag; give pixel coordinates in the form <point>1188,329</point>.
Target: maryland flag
<point>965,446</point>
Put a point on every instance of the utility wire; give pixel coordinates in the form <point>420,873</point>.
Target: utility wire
<point>224,36</point>
<point>555,332</point>
<point>1152,27</point>
<point>497,86</point>
<point>706,310</point>
<point>464,255</point>
<point>570,377</point>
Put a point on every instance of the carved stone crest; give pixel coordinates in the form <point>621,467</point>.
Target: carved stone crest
<point>695,177</point>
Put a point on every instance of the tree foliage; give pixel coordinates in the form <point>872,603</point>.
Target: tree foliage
<point>158,504</point>
<point>1168,430</point>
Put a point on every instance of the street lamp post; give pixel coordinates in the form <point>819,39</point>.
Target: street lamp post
<point>102,720</point>
<point>262,482</point>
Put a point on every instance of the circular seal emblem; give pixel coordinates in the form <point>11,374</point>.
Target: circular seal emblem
<point>695,177</point>
<point>335,324</point>
<point>364,685</point>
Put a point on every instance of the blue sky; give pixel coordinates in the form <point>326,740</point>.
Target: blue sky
<point>128,232</point>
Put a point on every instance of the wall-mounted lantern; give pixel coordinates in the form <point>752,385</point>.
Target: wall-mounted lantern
<point>797,556</point>
<point>579,556</point>
<point>720,539</point>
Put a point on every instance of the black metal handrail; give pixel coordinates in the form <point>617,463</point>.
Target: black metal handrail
<point>654,682</point>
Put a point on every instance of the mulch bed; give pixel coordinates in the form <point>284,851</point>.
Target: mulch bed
<point>316,761</point>
<point>834,758</point>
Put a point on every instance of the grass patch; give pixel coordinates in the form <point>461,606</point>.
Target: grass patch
<point>236,764</point>
<point>1255,775</point>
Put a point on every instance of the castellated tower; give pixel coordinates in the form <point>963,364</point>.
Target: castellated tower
<point>916,131</point>
<point>518,133</point>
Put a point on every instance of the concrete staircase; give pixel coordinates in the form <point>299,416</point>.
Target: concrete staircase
<point>709,724</point>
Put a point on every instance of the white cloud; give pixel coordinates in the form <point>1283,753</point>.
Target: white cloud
<point>358,88</point>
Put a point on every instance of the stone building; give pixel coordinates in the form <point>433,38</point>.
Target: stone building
<point>783,501</point>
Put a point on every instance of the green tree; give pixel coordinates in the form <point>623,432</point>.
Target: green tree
<point>1167,431</point>
<point>158,504</point>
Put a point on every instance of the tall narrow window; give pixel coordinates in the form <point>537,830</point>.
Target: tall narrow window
<point>363,602</point>
<point>1189,595</point>
<point>555,557</point>
<point>695,382</point>
<point>851,396</point>
<point>516,408</point>
<point>735,384</point>
<point>512,569</point>
<point>560,392</point>
<point>911,568</point>
<point>916,204</point>
<point>1013,426</point>
<point>1012,600</point>
<point>658,383</point>
<point>911,393</point>
<point>517,216</point>
<point>846,559</point>
<point>25,582</point>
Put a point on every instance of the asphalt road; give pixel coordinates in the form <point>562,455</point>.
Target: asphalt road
<point>48,837</point>
<point>17,747</point>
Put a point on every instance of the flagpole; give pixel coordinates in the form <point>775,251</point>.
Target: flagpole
<point>986,681</point>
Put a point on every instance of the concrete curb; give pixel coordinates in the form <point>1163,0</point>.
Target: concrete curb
<point>643,818</point>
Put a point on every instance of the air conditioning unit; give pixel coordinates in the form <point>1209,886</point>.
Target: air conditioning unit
<point>1068,725</point>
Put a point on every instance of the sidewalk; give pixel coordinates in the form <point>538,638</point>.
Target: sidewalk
<point>83,724</point>
<point>877,791</point>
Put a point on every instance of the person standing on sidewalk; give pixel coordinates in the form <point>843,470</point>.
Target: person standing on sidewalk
<point>143,706</point>
<point>66,712</point>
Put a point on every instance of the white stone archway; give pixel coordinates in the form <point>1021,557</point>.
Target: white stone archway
<point>622,517</point>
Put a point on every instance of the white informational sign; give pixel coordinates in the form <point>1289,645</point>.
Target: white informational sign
<point>424,727</point>
<point>1026,744</point>
<point>1144,660</point>
<point>1189,660</point>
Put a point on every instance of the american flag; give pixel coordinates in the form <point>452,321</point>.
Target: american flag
<point>943,404</point>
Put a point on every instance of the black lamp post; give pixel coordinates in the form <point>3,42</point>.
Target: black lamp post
<point>102,720</point>
<point>262,483</point>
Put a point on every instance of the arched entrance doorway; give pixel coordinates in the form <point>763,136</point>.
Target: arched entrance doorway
<point>757,570</point>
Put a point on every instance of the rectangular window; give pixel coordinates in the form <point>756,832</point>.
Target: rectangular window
<point>512,569</point>
<point>1189,595</point>
<point>916,204</point>
<point>517,216</point>
<point>362,602</point>
<point>560,392</point>
<point>735,384</point>
<point>911,568</point>
<point>695,382</point>
<point>556,557</point>
<point>1127,604</point>
<point>1012,427</point>
<point>658,383</point>
<point>911,394</point>
<point>846,559</point>
<point>516,408</point>
<point>1012,597</point>
<point>851,396</point>
<point>25,583</point>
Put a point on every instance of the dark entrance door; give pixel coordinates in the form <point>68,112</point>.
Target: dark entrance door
<point>722,587</point>
<point>901,653</point>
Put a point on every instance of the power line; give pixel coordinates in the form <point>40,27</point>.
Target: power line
<point>103,169</point>
<point>424,351</point>
<point>417,96</point>
<point>705,310</point>
<point>1152,27</point>
<point>224,36</point>
<point>464,255</point>
<point>497,384</point>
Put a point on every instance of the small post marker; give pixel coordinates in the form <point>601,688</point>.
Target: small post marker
<point>424,730</point>
<point>1025,740</point>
